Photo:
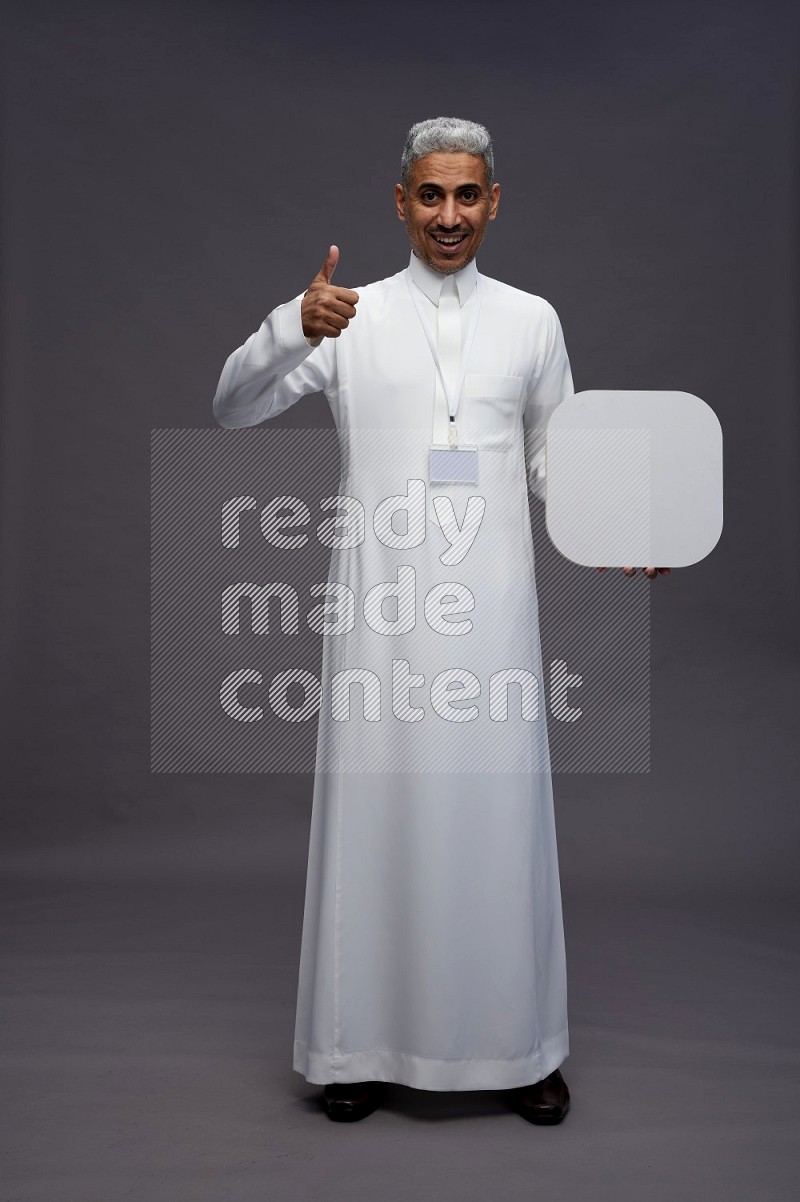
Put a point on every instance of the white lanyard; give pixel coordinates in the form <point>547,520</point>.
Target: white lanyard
<point>452,398</point>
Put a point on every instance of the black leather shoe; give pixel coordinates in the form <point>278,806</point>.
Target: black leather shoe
<point>545,1101</point>
<point>349,1101</point>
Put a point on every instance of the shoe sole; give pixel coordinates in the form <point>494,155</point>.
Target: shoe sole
<point>350,1114</point>
<point>542,1120</point>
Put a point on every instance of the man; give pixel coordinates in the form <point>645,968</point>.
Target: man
<point>433,950</point>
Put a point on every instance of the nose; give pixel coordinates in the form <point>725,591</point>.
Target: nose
<point>448,213</point>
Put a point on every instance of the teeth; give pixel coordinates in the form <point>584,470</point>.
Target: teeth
<point>451,241</point>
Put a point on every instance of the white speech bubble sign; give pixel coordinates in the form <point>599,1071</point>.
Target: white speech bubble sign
<point>634,478</point>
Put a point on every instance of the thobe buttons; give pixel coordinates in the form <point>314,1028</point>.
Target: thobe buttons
<point>449,332</point>
<point>448,345</point>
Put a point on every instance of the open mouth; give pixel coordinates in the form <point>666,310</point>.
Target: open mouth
<point>448,242</point>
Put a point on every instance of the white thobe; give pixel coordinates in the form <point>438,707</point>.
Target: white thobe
<point>433,948</point>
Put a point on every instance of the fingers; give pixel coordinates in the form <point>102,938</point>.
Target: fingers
<point>334,321</point>
<point>346,295</point>
<point>326,309</point>
<point>327,269</point>
<point>343,307</point>
<point>325,274</point>
<point>650,572</point>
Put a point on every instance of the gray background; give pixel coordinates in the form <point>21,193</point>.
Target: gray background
<point>170,173</point>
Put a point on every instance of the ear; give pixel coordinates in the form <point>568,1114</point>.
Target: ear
<point>400,201</point>
<point>494,201</point>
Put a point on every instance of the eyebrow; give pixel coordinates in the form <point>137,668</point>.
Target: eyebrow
<point>438,187</point>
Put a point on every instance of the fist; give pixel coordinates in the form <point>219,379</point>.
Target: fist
<point>327,310</point>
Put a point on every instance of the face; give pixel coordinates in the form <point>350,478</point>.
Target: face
<point>446,208</point>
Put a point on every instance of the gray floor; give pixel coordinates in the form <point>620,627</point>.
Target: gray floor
<point>148,1003</point>
<point>152,1018</point>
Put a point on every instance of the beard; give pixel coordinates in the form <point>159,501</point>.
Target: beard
<point>444,268</point>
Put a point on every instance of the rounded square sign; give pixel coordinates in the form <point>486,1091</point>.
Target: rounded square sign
<point>634,478</point>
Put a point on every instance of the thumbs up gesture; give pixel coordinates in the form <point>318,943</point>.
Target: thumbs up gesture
<point>327,310</point>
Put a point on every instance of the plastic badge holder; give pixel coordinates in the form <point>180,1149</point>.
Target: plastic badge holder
<point>454,465</point>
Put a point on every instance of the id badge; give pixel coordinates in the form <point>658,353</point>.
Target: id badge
<point>454,465</point>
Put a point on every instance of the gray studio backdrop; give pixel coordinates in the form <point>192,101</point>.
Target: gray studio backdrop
<point>170,173</point>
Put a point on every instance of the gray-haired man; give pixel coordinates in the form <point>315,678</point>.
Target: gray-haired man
<point>433,950</point>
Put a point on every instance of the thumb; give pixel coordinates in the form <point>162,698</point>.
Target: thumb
<point>327,269</point>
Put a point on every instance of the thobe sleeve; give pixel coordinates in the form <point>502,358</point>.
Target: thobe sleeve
<point>270,371</point>
<point>551,382</point>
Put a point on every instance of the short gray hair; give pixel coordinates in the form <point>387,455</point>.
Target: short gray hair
<point>452,134</point>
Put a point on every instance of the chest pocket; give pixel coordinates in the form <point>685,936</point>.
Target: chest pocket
<point>491,410</point>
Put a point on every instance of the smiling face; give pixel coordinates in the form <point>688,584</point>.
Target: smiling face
<point>446,208</point>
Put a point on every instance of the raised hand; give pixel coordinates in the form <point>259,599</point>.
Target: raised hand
<point>327,310</point>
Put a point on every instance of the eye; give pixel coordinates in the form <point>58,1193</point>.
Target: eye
<point>469,194</point>
<point>428,195</point>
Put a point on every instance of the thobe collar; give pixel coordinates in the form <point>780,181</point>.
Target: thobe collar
<point>431,281</point>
